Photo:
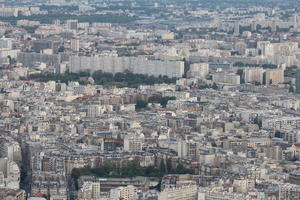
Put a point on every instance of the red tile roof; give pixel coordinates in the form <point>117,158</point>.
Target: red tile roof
<point>297,145</point>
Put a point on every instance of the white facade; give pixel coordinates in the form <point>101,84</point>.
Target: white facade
<point>133,142</point>
<point>189,192</point>
<point>252,75</point>
<point>6,43</point>
<point>9,12</point>
<point>10,174</point>
<point>90,191</point>
<point>279,53</point>
<point>126,193</point>
<point>75,44</point>
<point>138,65</point>
<point>226,78</point>
<point>281,123</point>
<point>199,70</point>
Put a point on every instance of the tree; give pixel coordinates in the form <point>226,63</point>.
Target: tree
<point>257,121</point>
<point>127,79</point>
<point>84,73</point>
<point>240,72</point>
<point>164,101</point>
<point>61,49</point>
<point>140,104</point>
<point>239,64</point>
<point>169,165</point>
<point>180,169</point>
<point>9,59</point>
<point>186,67</point>
<point>257,83</point>
<point>269,66</point>
<point>294,158</point>
<point>128,170</point>
<point>134,169</point>
<point>291,89</point>
<point>80,141</point>
<point>214,86</point>
<point>277,134</point>
<point>162,166</point>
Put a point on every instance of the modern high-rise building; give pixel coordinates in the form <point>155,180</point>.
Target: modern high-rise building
<point>138,65</point>
<point>39,45</point>
<point>236,30</point>
<point>252,75</point>
<point>273,76</point>
<point>199,70</point>
<point>6,43</point>
<point>75,44</point>
<point>9,12</point>
<point>265,48</point>
<point>229,78</point>
<point>72,24</point>
<point>253,26</point>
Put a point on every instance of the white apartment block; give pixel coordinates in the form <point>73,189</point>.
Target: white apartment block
<point>90,191</point>
<point>226,78</point>
<point>137,65</point>
<point>125,193</point>
<point>281,123</point>
<point>189,192</point>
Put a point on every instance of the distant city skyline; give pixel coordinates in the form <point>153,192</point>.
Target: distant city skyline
<point>149,100</point>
